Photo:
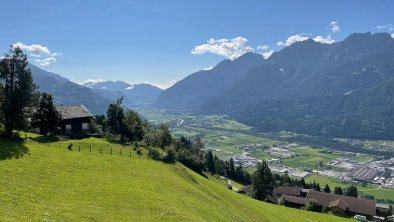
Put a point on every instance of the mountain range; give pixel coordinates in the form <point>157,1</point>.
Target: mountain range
<point>95,96</point>
<point>344,89</point>
<point>133,94</point>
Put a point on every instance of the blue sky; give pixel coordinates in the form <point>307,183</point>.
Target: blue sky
<point>164,41</point>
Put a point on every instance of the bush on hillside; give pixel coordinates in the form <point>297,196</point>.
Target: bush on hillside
<point>170,156</point>
<point>313,205</point>
<point>154,153</point>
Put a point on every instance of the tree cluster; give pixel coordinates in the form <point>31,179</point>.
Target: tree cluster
<point>17,91</point>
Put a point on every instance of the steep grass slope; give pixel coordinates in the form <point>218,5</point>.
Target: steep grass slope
<point>42,183</point>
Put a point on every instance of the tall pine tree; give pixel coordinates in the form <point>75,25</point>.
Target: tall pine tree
<point>46,117</point>
<point>18,90</point>
<point>263,183</point>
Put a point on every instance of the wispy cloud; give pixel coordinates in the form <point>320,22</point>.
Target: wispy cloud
<point>392,35</point>
<point>388,27</point>
<point>45,62</point>
<point>208,68</point>
<point>43,56</point>
<point>334,26</point>
<point>293,39</point>
<point>265,51</point>
<point>229,48</point>
<point>90,82</point>
<point>301,37</point>
<point>325,40</point>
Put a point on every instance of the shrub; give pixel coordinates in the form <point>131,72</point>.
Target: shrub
<point>170,156</point>
<point>313,205</point>
<point>282,201</point>
<point>154,153</point>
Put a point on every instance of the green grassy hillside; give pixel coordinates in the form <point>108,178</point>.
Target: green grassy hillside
<point>48,183</point>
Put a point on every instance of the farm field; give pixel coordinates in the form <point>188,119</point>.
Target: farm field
<point>309,157</point>
<point>42,182</point>
<point>374,190</point>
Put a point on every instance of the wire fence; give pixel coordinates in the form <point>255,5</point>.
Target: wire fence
<point>93,148</point>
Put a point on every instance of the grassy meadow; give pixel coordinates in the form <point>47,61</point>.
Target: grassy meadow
<point>42,182</point>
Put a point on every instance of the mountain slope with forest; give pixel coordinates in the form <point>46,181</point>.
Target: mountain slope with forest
<point>309,87</point>
<point>66,92</point>
<point>196,89</point>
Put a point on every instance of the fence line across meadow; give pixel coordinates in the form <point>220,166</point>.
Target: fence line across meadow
<point>93,148</point>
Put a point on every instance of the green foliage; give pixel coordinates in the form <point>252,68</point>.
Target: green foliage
<point>18,90</point>
<point>210,161</point>
<point>263,183</point>
<point>170,156</point>
<point>154,153</point>
<point>313,205</point>
<point>133,124</point>
<point>282,201</point>
<point>46,117</point>
<point>351,191</point>
<point>115,119</point>
<point>327,189</point>
<point>94,128</point>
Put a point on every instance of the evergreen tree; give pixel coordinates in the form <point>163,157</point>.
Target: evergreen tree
<point>18,90</point>
<point>318,187</point>
<point>263,183</point>
<point>210,161</point>
<point>338,191</point>
<point>351,191</point>
<point>231,169</point>
<point>286,181</point>
<point>164,137</point>
<point>46,117</point>
<point>302,183</point>
<point>327,189</point>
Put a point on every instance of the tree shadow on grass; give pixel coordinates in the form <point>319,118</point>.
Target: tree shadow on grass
<point>10,149</point>
<point>46,139</point>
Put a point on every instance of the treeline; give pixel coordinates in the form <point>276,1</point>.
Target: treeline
<point>264,182</point>
<point>128,127</point>
<point>18,96</point>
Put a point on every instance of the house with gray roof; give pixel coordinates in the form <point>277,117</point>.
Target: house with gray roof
<point>75,119</point>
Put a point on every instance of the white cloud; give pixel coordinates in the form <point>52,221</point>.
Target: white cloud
<point>263,47</point>
<point>45,62</point>
<point>267,54</point>
<point>300,38</point>
<point>231,49</point>
<point>38,51</point>
<point>325,40</point>
<point>392,35</point>
<point>293,39</point>
<point>334,27</point>
<point>90,82</point>
<point>265,51</point>
<point>208,68</point>
<point>388,27</point>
